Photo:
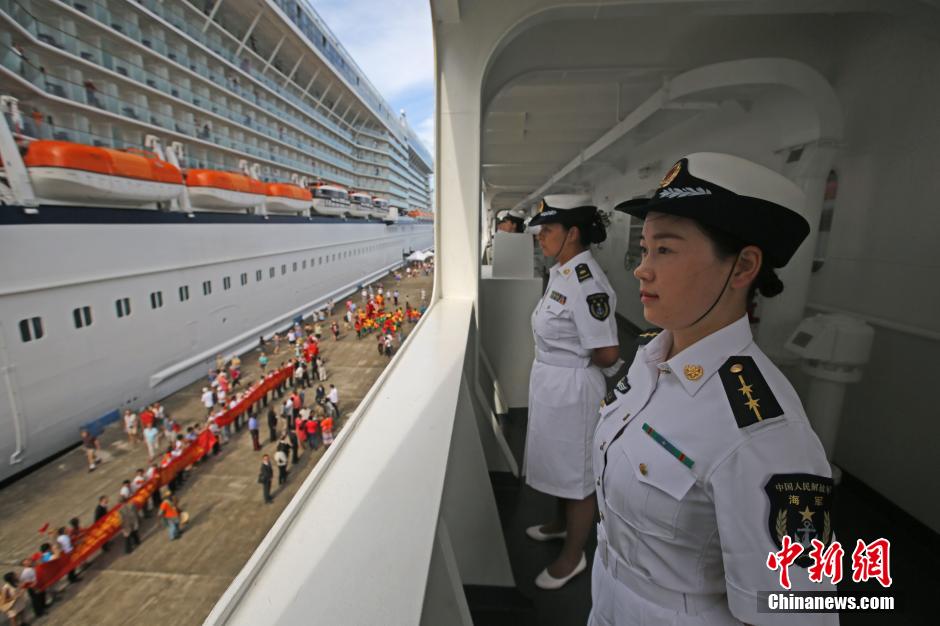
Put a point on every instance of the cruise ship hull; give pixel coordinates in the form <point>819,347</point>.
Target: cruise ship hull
<point>244,276</point>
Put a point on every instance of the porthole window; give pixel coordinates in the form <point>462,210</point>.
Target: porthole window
<point>184,293</point>
<point>123,307</point>
<point>156,299</point>
<point>82,316</point>
<point>31,328</point>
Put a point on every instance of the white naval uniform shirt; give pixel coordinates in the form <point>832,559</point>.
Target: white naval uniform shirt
<point>564,388</point>
<point>683,523</point>
<point>565,329</point>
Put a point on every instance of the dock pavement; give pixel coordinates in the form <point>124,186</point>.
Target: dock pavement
<point>163,582</point>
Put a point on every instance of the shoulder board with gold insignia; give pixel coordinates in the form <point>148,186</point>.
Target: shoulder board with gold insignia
<point>647,336</point>
<point>583,272</point>
<point>748,393</point>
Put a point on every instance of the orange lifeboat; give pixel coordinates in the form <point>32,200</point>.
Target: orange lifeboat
<point>78,173</point>
<point>421,215</point>
<point>287,198</point>
<point>215,190</point>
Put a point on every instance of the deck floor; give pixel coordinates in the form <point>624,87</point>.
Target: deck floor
<point>164,582</point>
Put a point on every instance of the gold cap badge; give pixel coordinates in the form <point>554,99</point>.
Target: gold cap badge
<point>693,372</point>
<point>671,175</point>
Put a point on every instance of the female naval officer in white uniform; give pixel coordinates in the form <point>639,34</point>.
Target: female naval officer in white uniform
<point>575,336</point>
<point>705,462</point>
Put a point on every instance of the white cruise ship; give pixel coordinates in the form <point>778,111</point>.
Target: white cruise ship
<point>176,182</point>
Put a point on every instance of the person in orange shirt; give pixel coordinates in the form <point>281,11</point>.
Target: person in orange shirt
<point>326,430</point>
<point>170,514</point>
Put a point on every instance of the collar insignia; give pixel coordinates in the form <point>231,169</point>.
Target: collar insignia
<point>693,372</point>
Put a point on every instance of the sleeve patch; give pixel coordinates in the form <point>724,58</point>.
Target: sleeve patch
<point>748,393</point>
<point>800,507</point>
<point>583,272</point>
<point>599,305</point>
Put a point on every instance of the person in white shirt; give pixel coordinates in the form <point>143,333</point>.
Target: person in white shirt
<point>131,427</point>
<point>576,345</point>
<point>705,461</point>
<point>208,399</point>
<point>333,397</point>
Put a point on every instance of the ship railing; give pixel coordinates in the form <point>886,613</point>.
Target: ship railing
<point>403,494</point>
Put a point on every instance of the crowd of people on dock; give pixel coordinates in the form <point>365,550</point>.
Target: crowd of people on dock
<point>302,411</point>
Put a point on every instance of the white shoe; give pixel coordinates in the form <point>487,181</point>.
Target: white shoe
<point>549,582</point>
<point>535,532</point>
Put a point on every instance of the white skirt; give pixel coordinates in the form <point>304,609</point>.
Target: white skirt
<point>563,413</point>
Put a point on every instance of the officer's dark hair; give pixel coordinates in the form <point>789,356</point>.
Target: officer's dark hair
<point>591,230</point>
<point>727,245</point>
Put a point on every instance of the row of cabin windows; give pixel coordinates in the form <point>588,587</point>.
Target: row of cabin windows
<point>31,328</point>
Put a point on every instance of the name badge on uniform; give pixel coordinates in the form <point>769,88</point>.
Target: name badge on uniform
<point>557,297</point>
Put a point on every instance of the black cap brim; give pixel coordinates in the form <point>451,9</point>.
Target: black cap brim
<point>754,221</point>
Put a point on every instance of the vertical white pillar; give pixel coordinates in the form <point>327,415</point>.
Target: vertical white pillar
<point>780,315</point>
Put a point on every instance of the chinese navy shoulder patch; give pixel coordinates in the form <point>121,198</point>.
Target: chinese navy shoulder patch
<point>583,272</point>
<point>800,506</point>
<point>599,305</point>
<point>647,336</point>
<point>748,393</point>
<point>557,297</point>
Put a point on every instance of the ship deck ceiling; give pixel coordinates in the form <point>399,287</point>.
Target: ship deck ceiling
<point>561,84</point>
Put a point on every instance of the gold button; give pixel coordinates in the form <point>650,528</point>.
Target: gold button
<point>643,469</point>
<point>737,368</point>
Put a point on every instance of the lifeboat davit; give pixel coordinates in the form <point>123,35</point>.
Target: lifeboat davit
<point>215,190</point>
<point>80,174</point>
<point>285,198</point>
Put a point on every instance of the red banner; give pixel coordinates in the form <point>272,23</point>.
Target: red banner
<point>106,528</point>
<point>255,394</point>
